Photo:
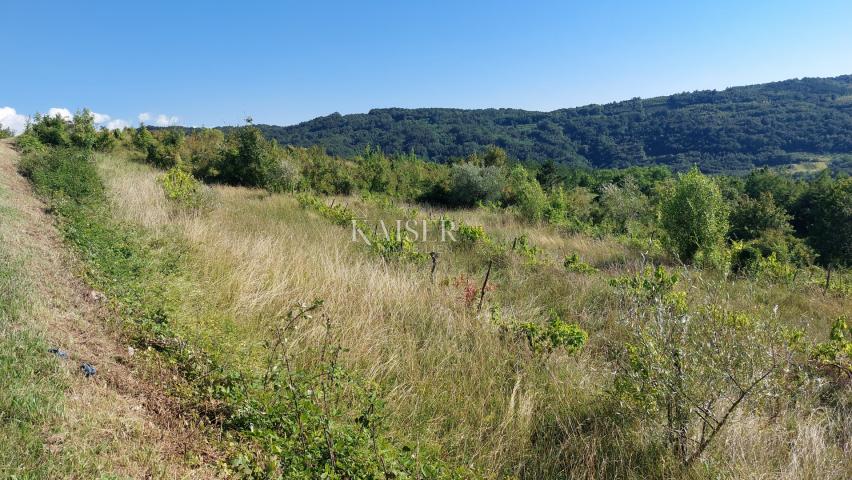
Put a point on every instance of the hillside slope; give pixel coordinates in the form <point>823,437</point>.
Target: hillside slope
<point>730,130</point>
<point>54,422</point>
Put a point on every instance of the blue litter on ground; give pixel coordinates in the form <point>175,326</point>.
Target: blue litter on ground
<point>88,369</point>
<point>58,352</point>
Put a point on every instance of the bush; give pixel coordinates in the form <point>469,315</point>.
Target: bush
<point>64,174</point>
<point>181,188</point>
<point>52,131</point>
<point>752,217</point>
<point>283,176</point>
<point>83,133</point>
<point>690,371</point>
<point>554,335</point>
<point>105,141</point>
<point>526,194</point>
<point>5,132</point>
<point>29,143</point>
<point>470,184</point>
<point>694,216</point>
<point>572,263</point>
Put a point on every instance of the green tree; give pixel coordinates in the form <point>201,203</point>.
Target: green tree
<point>694,216</point>
<point>83,133</point>
<point>826,209</point>
<point>374,170</point>
<point>751,217</point>
<point>526,194</point>
<point>494,156</point>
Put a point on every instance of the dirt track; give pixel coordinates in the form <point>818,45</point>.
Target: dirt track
<point>128,426</point>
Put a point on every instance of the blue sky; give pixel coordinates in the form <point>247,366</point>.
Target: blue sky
<point>206,63</point>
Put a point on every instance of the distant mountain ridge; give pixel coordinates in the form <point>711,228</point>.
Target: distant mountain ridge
<point>729,130</point>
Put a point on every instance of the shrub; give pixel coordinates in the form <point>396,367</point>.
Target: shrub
<point>5,132</point>
<point>282,176</point>
<point>181,188</point>
<point>693,370</point>
<point>554,335</point>
<point>83,133</point>
<point>51,131</point>
<point>526,194</point>
<point>694,216</point>
<point>64,174</point>
<point>29,143</point>
<point>572,263</point>
<point>470,184</point>
<point>469,235</point>
<point>105,141</point>
<point>374,170</point>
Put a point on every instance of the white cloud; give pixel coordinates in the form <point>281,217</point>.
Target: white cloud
<point>160,120</point>
<point>101,117</point>
<point>116,124</point>
<point>62,112</point>
<point>166,121</point>
<point>12,119</point>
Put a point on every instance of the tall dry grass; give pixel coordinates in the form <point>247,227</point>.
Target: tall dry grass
<point>453,385</point>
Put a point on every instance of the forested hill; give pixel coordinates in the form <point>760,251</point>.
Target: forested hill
<point>721,131</point>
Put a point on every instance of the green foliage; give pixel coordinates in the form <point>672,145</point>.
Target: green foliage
<point>64,175</point>
<point>572,263</point>
<point>105,141</point>
<point>752,217</point>
<point>529,252</point>
<point>469,235</point>
<point>51,131</point>
<point>694,216</point>
<point>838,349</point>
<point>82,131</point>
<point>623,209</point>
<point>470,184</point>
<point>693,370</point>
<point>326,175</point>
<point>28,143</point>
<point>338,214</point>
<point>183,189</point>
<point>826,219</point>
<point>722,131</point>
<point>525,193</point>
<point>395,246</point>
<point>373,170</point>
<point>6,132</point>
<point>555,334</point>
<point>281,423</point>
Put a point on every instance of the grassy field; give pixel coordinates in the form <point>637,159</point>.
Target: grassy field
<point>293,350</point>
<point>453,386</point>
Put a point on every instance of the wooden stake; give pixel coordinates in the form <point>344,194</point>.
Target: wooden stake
<point>484,285</point>
<point>434,256</point>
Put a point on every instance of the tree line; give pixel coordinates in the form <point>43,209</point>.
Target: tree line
<point>733,130</point>
<point>766,219</point>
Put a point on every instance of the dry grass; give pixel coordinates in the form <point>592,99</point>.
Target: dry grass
<point>452,384</point>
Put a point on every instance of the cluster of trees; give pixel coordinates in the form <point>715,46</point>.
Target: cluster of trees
<point>736,129</point>
<point>736,220</point>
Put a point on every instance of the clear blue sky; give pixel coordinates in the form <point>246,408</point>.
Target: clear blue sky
<point>213,63</point>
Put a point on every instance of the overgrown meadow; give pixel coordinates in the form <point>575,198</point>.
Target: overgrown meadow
<point>633,323</point>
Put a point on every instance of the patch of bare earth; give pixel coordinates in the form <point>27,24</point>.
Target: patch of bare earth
<point>123,424</point>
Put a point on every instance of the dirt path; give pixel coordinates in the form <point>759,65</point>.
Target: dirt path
<point>114,421</point>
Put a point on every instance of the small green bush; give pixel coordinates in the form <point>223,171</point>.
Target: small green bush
<point>181,188</point>
<point>555,334</point>
<point>572,263</point>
